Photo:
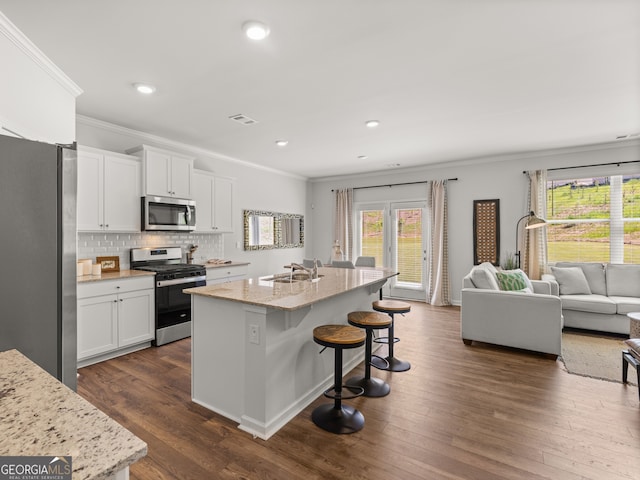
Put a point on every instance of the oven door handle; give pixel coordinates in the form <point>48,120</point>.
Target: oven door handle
<point>178,281</point>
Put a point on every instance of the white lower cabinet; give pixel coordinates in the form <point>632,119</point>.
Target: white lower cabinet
<point>227,273</point>
<point>114,317</point>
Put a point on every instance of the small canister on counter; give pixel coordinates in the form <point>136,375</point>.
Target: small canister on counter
<point>96,269</point>
<point>86,265</point>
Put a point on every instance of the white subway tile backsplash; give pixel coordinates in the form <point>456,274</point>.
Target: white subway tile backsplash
<point>91,245</point>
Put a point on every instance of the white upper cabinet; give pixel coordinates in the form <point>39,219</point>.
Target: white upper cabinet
<point>214,202</point>
<point>108,191</point>
<point>166,174</point>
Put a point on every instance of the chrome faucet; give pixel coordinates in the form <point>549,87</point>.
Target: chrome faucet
<point>312,272</point>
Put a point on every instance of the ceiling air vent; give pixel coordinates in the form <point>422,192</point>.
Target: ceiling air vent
<point>243,119</point>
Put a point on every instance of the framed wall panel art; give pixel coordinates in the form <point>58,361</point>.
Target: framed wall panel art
<point>486,231</point>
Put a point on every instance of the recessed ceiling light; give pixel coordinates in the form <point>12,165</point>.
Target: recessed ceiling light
<point>372,123</point>
<point>145,88</point>
<point>282,143</point>
<point>363,157</point>
<point>393,165</point>
<point>255,30</point>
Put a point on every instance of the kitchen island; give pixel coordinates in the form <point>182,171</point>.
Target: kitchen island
<point>253,356</point>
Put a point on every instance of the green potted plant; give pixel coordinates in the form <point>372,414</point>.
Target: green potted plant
<point>508,261</point>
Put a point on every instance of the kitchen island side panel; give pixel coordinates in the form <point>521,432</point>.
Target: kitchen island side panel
<point>218,356</point>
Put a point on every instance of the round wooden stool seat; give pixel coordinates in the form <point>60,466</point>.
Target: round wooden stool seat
<point>338,418</point>
<point>369,319</point>
<point>390,307</point>
<point>373,387</point>
<point>339,336</point>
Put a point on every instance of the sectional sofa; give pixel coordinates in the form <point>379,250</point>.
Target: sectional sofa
<point>596,296</point>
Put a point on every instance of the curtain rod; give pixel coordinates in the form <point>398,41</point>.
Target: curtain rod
<point>397,184</point>
<point>592,165</point>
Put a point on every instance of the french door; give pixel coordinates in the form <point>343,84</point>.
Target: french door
<point>394,233</point>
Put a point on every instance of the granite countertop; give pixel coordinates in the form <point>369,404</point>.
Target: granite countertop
<point>222,265</point>
<point>292,296</point>
<point>40,416</point>
<point>122,274</point>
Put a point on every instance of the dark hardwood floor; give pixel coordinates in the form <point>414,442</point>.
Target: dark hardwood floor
<point>461,412</point>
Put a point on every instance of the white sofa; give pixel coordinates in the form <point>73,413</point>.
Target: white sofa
<point>529,319</point>
<point>596,296</point>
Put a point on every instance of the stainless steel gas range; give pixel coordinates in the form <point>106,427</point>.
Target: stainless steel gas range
<point>173,308</point>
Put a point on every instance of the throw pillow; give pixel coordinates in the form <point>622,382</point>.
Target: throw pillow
<point>484,278</point>
<point>526,279</point>
<point>571,281</point>
<point>511,280</point>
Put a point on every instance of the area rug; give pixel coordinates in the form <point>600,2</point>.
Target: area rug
<point>595,356</point>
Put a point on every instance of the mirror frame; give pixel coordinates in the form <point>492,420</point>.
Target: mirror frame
<point>279,229</point>
<point>277,219</point>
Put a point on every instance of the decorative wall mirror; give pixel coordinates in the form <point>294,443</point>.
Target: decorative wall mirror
<point>265,230</point>
<point>259,230</point>
<point>291,231</point>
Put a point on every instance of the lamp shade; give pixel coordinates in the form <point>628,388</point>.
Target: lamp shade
<point>535,222</point>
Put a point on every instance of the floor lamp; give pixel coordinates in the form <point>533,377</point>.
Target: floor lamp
<point>533,221</point>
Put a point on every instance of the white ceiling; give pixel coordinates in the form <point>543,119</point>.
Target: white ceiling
<point>448,79</point>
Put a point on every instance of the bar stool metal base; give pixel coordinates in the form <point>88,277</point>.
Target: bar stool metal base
<point>391,364</point>
<point>373,387</point>
<point>345,419</point>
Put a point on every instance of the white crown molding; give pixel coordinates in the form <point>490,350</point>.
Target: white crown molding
<point>18,38</point>
<point>172,144</point>
<point>486,160</point>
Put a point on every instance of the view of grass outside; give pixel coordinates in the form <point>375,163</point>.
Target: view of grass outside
<point>409,241</point>
<point>372,228</point>
<point>585,224</point>
<point>408,238</point>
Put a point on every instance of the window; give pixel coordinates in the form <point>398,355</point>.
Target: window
<point>594,219</point>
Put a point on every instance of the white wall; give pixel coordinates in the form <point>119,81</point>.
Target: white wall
<point>37,100</point>
<point>256,189</point>
<point>490,178</point>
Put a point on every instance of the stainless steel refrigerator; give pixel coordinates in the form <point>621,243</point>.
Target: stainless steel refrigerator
<point>38,254</point>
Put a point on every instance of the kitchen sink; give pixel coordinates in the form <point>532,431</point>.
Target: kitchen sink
<point>288,278</point>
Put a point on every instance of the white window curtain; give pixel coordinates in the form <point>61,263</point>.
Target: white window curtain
<point>534,262</point>
<point>438,288</point>
<point>343,221</point>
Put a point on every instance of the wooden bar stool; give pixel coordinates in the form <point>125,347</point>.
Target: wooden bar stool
<point>370,321</point>
<point>338,418</point>
<point>391,307</point>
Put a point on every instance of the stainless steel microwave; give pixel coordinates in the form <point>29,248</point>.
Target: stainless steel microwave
<point>168,214</point>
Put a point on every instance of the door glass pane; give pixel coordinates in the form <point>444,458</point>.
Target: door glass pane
<point>409,251</point>
<point>372,228</point>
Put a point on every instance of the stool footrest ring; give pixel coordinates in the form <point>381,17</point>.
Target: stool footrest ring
<point>353,393</point>
<point>385,340</point>
<point>381,363</point>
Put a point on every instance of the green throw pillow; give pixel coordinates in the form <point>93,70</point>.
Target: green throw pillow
<point>511,280</point>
